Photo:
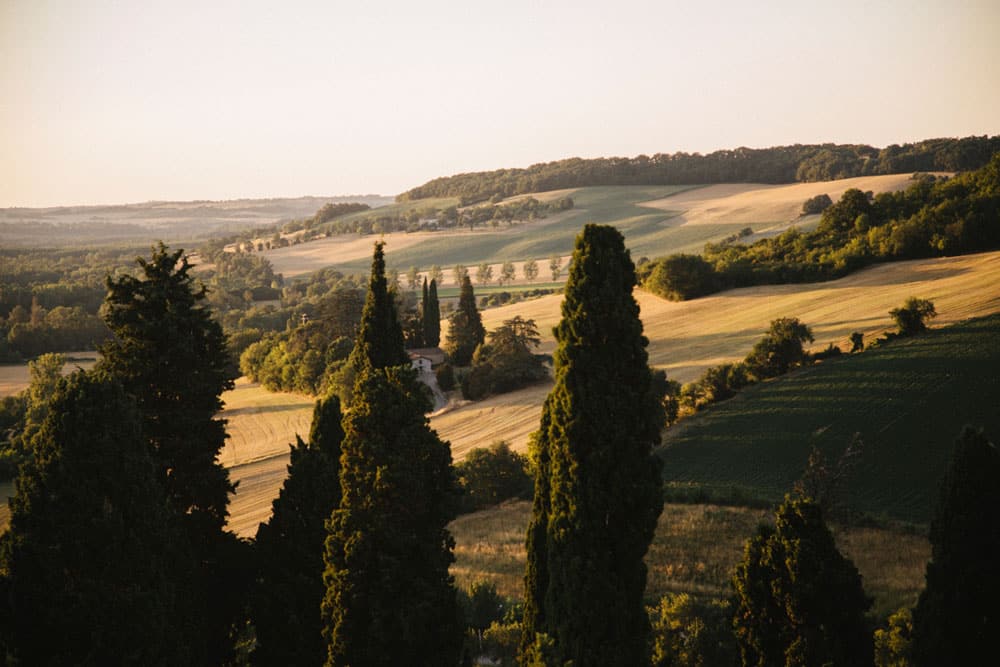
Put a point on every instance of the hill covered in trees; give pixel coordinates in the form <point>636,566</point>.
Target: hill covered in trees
<point>932,218</point>
<point>779,164</point>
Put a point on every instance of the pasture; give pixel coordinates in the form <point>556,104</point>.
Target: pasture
<point>694,550</point>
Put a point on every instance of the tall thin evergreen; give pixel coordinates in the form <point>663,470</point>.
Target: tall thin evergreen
<point>390,599</point>
<point>380,338</point>
<point>598,493</point>
<point>290,589</point>
<point>431,315</point>
<point>956,621</point>
<point>466,331</point>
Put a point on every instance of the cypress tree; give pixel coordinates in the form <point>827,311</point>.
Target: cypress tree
<point>290,546</point>
<point>87,561</point>
<point>380,339</point>
<point>799,601</point>
<point>466,332</point>
<point>171,356</point>
<point>389,597</point>
<point>598,491</point>
<point>956,621</point>
<point>432,315</point>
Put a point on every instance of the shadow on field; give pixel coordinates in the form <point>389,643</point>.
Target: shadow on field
<point>260,410</point>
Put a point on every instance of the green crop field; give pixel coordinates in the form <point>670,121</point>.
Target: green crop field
<point>908,401</point>
<point>648,231</point>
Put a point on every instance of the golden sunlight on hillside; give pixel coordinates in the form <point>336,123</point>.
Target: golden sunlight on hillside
<point>685,339</point>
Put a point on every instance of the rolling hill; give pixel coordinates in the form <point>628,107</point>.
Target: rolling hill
<point>908,401</point>
<point>656,220</point>
<point>687,337</point>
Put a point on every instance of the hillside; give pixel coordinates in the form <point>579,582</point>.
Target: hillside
<point>687,337</point>
<point>656,220</point>
<point>779,164</point>
<point>908,401</point>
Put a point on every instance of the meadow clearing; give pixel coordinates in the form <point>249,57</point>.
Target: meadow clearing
<point>694,550</point>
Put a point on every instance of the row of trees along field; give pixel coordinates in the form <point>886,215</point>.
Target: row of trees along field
<point>933,217</point>
<point>117,550</point>
<point>780,164</point>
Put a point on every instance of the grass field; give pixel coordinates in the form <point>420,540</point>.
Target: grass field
<point>694,550</point>
<point>689,336</point>
<point>908,401</point>
<point>656,220</point>
<point>15,378</point>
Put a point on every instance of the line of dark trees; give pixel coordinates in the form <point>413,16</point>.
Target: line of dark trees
<point>780,164</point>
<point>931,218</point>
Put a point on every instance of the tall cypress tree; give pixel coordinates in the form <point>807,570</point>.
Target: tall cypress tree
<point>171,356</point>
<point>956,621</point>
<point>389,596</point>
<point>290,589</point>
<point>432,315</point>
<point>380,338</point>
<point>466,331</point>
<point>595,511</point>
<point>88,561</point>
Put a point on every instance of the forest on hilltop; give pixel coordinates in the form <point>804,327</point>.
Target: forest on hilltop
<point>779,164</point>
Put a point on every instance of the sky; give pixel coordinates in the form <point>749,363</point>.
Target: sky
<point>113,102</point>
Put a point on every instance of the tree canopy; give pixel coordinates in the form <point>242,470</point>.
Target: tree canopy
<point>466,331</point>
<point>956,620</point>
<point>598,488</point>
<point>798,600</point>
<point>389,595</point>
<point>90,563</point>
<point>289,589</point>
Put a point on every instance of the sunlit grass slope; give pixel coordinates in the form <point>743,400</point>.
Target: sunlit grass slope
<point>908,401</point>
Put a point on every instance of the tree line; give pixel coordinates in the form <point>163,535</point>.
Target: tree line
<point>931,218</point>
<point>779,164</point>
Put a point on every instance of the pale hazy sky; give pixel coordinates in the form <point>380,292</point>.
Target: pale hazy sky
<point>109,102</point>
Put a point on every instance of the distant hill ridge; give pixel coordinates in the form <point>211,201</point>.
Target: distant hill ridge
<point>779,164</point>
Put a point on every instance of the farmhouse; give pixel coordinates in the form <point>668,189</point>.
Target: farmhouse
<point>426,358</point>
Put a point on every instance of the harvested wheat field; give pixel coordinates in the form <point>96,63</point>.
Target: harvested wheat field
<point>261,423</point>
<point>685,339</point>
<point>745,203</point>
<point>15,378</point>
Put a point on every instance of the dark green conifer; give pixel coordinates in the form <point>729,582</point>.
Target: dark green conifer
<point>290,589</point>
<point>466,331</point>
<point>956,621</point>
<point>380,338</point>
<point>799,601</point>
<point>389,596</point>
<point>432,316</point>
<point>87,564</point>
<point>171,356</point>
<point>598,490</point>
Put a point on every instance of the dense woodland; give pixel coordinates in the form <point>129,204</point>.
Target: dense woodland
<point>780,164</point>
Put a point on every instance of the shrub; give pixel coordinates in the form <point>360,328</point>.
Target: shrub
<point>491,476</point>
<point>912,317</point>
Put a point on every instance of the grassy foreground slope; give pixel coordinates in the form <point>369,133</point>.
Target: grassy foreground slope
<point>908,400</point>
